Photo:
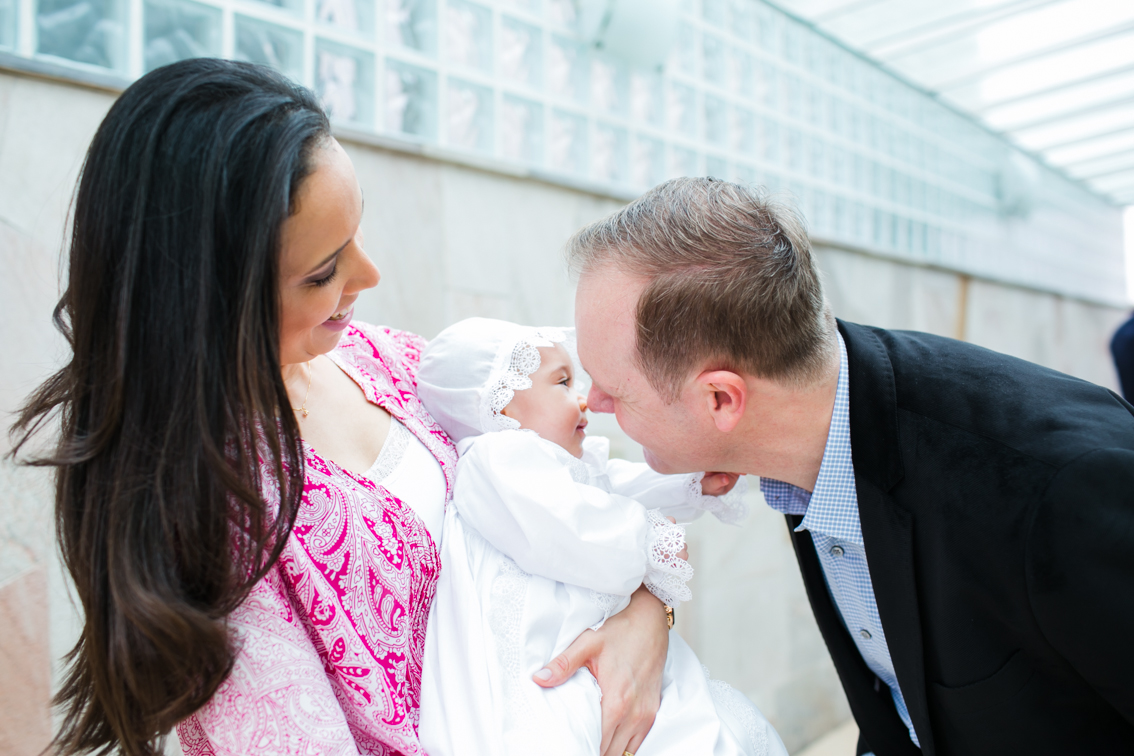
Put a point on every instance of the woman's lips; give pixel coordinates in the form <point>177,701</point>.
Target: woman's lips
<point>339,322</point>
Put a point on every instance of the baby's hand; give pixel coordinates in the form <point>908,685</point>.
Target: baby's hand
<point>684,553</point>
<point>718,484</point>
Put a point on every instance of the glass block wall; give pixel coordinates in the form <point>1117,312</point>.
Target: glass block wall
<point>748,94</point>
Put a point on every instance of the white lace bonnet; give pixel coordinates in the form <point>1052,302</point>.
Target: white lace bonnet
<point>473,368</point>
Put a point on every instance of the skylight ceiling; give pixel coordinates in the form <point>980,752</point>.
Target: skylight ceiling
<point>1054,76</point>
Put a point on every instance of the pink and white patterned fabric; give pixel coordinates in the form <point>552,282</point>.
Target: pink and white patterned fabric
<point>330,643</point>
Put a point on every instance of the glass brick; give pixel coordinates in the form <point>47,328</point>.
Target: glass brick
<point>85,31</point>
<point>521,130</point>
<point>270,45</point>
<point>355,16</point>
<point>609,154</point>
<point>520,55</point>
<point>743,173</point>
<point>793,156</point>
<point>715,11</point>
<point>608,86</point>
<point>791,95</point>
<point>684,162</point>
<point>567,142</point>
<point>292,6</point>
<point>411,100</point>
<point>180,29</point>
<point>647,161</point>
<point>8,16</point>
<point>767,85</point>
<point>468,116</point>
<point>681,109</point>
<point>716,121</point>
<point>717,167</point>
<point>742,131</point>
<point>468,35</point>
<point>344,81</point>
<point>740,72</point>
<point>714,53</point>
<point>413,24</point>
<point>567,69</point>
<point>770,141</point>
<point>533,7</point>
<point>742,20</point>
<point>646,97</point>
<point>683,57</point>
<point>562,12</point>
<point>817,158</point>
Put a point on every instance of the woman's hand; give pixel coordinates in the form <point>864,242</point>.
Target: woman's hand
<point>717,484</point>
<point>626,655</point>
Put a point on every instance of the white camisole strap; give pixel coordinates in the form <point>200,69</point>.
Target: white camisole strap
<point>407,469</point>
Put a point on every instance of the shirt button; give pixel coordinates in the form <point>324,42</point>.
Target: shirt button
<point>864,634</point>
<point>836,551</point>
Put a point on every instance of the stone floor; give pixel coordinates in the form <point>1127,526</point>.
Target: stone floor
<point>840,741</point>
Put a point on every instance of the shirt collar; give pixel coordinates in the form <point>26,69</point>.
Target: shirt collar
<point>832,508</point>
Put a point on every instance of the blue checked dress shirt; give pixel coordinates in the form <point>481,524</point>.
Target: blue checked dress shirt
<point>830,514</point>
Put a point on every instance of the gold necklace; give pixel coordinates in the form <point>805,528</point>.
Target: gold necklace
<point>310,375</point>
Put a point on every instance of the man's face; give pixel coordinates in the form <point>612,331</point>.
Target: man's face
<point>676,437</point>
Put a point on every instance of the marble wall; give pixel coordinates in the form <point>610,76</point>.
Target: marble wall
<point>454,240</point>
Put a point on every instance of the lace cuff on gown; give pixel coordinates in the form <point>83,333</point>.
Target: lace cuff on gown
<point>730,509</point>
<point>666,573</point>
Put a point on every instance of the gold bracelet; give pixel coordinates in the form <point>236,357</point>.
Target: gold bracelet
<point>668,615</point>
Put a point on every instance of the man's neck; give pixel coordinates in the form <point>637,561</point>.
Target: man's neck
<point>788,434</point>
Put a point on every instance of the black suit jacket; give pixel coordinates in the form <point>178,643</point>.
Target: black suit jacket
<point>997,508</point>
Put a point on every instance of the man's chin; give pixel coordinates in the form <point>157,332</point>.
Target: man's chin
<point>656,464</point>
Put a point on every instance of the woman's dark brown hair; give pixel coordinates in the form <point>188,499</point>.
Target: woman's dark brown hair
<point>175,422</point>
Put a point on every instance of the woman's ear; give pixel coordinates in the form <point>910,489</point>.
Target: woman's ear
<point>725,395</point>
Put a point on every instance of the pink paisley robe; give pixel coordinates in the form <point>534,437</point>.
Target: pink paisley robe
<point>330,643</point>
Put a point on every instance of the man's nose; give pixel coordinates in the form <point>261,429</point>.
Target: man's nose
<point>599,401</point>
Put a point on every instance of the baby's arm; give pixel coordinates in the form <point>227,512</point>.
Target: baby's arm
<point>517,493</point>
<point>684,497</point>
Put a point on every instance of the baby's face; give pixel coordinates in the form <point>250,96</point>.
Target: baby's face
<point>551,407</point>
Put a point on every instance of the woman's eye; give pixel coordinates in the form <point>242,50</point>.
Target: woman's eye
<point>326,279</point>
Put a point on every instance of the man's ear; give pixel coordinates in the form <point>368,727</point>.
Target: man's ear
<point>726,396</point>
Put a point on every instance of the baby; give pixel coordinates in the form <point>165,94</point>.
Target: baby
<point>547,537</point>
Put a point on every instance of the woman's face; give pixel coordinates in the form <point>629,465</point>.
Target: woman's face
<point>323,267</point>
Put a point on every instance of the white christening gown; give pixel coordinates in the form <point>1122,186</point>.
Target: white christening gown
<point>538,547</point>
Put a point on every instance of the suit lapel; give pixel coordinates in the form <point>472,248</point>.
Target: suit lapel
<point>887,528</point>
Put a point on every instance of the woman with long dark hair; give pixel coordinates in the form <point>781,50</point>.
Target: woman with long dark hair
<point>249,493</point>
<point>244,567</point>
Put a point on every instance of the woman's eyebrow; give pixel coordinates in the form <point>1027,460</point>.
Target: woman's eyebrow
<point>328,258</point>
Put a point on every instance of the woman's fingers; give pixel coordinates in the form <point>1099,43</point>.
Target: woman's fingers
<point>577,655</point>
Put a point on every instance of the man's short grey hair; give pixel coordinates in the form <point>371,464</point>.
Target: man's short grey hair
<point>731,283</point>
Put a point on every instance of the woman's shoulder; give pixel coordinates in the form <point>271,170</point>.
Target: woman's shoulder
<point>396,352</point>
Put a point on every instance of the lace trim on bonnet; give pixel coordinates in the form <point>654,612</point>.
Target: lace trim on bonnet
<point>510,374</point>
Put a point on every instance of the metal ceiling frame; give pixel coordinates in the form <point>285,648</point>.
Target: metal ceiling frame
<point>1080,139</point>
<point>1098,158</point>
<point>980,18</point>
<point>1109,175</point>
<point>1089,79</point>
<point>1063,46</point>
<point>1123,99</point>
